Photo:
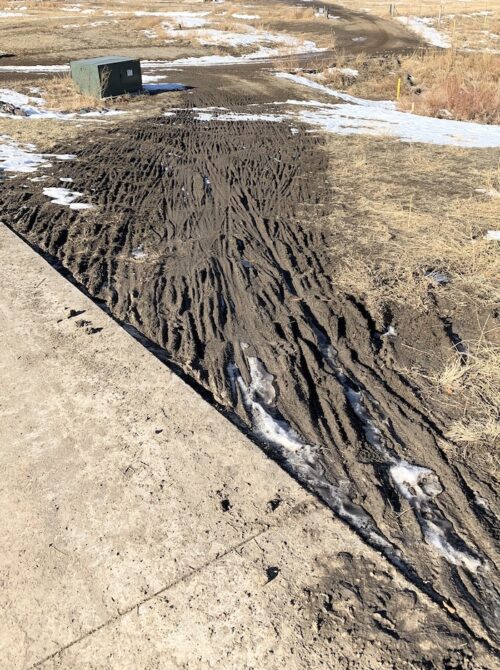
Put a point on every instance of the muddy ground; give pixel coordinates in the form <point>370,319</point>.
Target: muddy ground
<point>212,240</point>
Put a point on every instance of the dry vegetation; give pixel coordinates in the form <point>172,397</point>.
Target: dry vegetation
<point>465,85</point>
<point>62,94</point>
<point>451,84</point>
<point>391,235</point>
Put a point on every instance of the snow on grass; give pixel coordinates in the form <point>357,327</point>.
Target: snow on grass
<point>246,17</point>
<point>381,118</point>
<point>262,54</point>
<point>18,99</point>
<point>184,19</point>
<point>15,157</point>
<point>32,108</point>
<point>66,198</point>
<point>34,69</point>
<point>249,37</point>
<point>422,26</point>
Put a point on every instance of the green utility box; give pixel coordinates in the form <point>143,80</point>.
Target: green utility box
<point>107,76</point>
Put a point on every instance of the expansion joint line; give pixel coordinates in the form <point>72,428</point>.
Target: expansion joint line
<point>297,510</point>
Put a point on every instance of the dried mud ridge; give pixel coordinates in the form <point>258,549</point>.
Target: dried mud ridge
<point>212,238</point>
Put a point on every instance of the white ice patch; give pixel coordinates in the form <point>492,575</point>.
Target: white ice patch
<point>17,158</point>
<point>238,116</point>
<point>65,197</point>
<point>138,253</point>
<point>34,69</point>
<point>300,457</point>
<point>422,26</point>
<point>420,486</point>
<point>492,235</point>
<point>246,17</point>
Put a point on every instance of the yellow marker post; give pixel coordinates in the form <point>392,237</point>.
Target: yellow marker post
<point>398,89</point>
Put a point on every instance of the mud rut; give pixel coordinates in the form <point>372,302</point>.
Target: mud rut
<point>211,238</point>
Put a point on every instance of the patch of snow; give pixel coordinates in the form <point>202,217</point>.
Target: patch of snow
<point>262,54</point>
<point>138,253</point>
<point>379,118</point>
<point>17,158</point>
<point>246,17</point>
<point>300,457</point>
<point>35,69</point>
<point>421,26</point>
<point>493,235</point>
<point>65,197</point>
<point>420,486</point>
<point>185,19</point>
<point>32,108</point>
<point>390,332</point>
<point>251,37</point>
<point>238,116</point>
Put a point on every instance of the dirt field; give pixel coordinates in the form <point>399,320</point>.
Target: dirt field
<point>333,295</point>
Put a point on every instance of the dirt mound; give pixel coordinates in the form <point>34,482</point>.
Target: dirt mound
<point>211,238</point>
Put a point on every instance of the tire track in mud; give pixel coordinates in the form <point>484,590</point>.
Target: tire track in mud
<point>211,239</point>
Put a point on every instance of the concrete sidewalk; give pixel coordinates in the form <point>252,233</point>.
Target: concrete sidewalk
<point>140,529</point>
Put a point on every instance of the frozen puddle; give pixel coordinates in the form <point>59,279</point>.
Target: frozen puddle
<point>65,197</point>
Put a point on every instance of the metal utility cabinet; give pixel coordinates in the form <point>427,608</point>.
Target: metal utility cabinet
<point>107,76</point>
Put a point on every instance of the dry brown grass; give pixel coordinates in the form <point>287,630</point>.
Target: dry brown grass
<point>403,211</point>
<point>460,85</point>
<point>62,94</point>
<point>466,85</point>
<point>471,379</point>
